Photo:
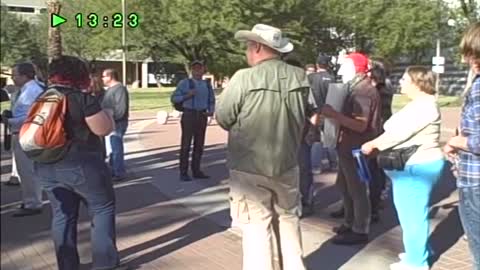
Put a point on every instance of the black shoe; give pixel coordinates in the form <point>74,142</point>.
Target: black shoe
<point>185,178</point>
<point>340,213</point>
<point>375,218</point>
<point>342,229</point>
<point>13,181</point>
<point>200,175</point>
<point>350,238</point>
<point>23,212</point>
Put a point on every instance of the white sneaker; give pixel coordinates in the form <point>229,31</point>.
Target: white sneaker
<point>402,266</point>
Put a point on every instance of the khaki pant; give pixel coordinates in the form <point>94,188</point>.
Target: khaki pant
<point>262,207</point>
<point>14,167</point>
<point>31,189</point>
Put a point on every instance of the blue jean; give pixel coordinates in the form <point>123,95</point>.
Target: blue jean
<point>67,183</point>
<point>412,190</point>
<point>470,216</point>
<point>305,170</point>
<point>323,158</point>
<point>117,156</point>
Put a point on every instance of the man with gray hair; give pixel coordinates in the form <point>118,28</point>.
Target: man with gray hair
<point>264,108</point>
<point>24,77</point>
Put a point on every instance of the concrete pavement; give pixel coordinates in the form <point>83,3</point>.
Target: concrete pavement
<point>166,224</point>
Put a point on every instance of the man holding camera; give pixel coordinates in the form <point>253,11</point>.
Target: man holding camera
<point>24,77</point>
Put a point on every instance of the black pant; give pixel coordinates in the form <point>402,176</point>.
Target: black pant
<point>194,124</point>
<point>377,184</point>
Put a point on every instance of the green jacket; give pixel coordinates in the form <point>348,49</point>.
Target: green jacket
<point>264,109</point>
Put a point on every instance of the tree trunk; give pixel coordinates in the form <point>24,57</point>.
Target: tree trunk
<point>54,36</point>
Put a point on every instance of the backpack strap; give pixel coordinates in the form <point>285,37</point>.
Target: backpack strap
<point>209,89</point>
<point>66,91</point>
<point>191,85</point>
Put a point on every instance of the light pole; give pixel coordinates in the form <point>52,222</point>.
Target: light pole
<point>437,74</point>
<point>450,22</point>
<point>124,45</point>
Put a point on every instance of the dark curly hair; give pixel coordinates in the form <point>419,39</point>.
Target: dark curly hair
<point>69,71</point>
<point>378,72</point>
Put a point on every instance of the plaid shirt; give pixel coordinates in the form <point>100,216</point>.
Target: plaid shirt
<point>469,162</point>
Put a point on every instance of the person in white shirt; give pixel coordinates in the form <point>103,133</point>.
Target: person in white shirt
<point>417,124</point>
<point>24,77</point>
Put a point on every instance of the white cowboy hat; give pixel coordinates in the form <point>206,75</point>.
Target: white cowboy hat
<point>267,35</point>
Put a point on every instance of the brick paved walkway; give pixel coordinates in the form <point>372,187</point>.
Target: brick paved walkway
<point>165,224</point>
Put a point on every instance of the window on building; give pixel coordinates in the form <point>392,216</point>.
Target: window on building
<point>21,9</point>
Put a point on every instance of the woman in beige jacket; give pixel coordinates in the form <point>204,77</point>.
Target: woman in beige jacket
<point>417,124</point>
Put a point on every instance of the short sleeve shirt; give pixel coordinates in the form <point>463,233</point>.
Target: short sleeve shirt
<point>363,102</point>
<point>79,106</point>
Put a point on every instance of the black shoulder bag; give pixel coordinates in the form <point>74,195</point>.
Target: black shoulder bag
<point>179,105</point>
<point>395,159</point>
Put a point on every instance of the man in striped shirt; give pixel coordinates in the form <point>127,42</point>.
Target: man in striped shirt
<point>467,146</point>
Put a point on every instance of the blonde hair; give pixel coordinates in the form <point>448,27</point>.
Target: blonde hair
<point>470,44</point>
<point>469,83</point>
<point>423,78</point>
<point>470,50</point>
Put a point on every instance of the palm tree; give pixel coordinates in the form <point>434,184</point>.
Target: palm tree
<point>54,35</point>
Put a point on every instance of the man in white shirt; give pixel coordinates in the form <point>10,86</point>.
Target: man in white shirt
<point>24,77</point>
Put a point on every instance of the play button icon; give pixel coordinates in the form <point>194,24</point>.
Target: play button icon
<point>57,20</point>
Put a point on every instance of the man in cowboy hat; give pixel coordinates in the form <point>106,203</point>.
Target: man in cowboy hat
<point>264,108</point>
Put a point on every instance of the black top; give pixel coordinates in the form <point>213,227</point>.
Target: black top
<point>79,106</point>
<point>117,99</point>
<point>319,82</point>
<point>4,95</point>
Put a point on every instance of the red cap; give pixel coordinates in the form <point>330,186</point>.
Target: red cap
<point>360,61</point>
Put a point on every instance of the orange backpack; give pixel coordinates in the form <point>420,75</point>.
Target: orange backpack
<point>43,137</point>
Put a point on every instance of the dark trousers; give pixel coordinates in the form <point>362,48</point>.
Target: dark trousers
<point>117,156</point>
<point>194,125</point>
<point>356,201</point>
<point>306,176</point>
<point>376,185</point>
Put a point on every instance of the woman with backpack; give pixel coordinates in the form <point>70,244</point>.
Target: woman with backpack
<point>80,174</point>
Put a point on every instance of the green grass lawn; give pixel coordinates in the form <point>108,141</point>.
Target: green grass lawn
<point>159,99</point>
<point>151,99</point>
<point>399,101</point>
<point>4,106</point>
<point>154,98</point>
<point>140,99</point>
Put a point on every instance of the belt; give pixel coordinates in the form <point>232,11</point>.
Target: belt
<point>194,111</point>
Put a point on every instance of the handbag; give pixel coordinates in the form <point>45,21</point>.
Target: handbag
<point>395,159</point>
